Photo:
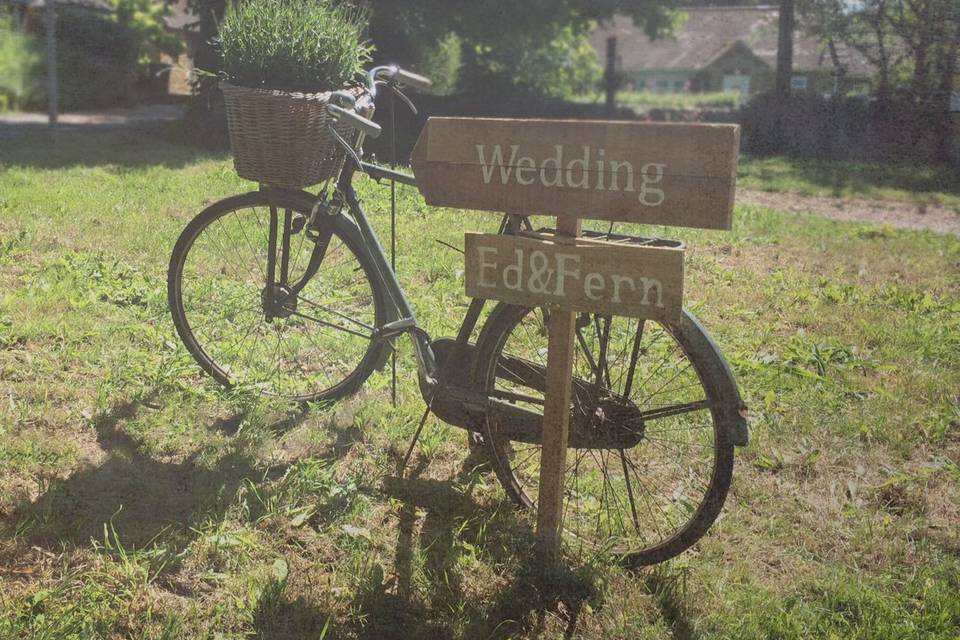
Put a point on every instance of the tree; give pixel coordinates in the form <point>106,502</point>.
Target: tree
<point>144,19</point>
<point>536,46</point>
<point>913,44</point>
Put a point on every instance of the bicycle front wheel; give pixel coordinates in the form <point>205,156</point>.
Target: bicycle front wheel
<point>649,460</point>
<point>262,305</point>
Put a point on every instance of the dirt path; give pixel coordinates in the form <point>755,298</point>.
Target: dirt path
<point>906,215</point>
<point>17,124</point>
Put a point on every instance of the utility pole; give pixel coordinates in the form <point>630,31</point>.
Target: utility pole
<point>610,79</point>
<point>53,86</point>
<point>784,50</point>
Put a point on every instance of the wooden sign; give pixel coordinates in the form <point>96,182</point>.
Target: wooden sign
<point>658,173</point>
<point>580,274</point>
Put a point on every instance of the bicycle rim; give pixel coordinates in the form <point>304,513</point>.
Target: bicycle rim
<point>649,464</point>
<point>315,344</point>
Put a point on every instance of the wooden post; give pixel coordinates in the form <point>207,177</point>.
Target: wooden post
<point>53,86</point>
<point>556,419</point>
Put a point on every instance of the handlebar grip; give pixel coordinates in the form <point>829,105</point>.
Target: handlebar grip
<point>416,81</point>
<point>367,127</point>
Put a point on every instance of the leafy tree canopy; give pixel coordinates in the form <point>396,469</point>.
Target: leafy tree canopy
<point>536,45</point>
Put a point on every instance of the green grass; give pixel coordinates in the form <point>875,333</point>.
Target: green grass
<point>905,182</point>
<point>645,100</point>
<point>137,499</point>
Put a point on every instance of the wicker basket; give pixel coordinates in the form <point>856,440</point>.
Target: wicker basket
<point>282,139</point>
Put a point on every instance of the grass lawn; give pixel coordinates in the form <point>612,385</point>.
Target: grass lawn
<point>914,183</point>
<point>644,100</point>
<point>138,499</point>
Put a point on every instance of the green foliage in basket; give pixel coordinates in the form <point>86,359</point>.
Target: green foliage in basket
<point>293,45</point>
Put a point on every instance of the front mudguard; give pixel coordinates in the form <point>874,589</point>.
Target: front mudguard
<point>712,366</point>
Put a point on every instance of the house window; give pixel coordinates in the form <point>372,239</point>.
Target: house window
<point>663,85</point>
<point>678,86</point>
<point>798,83</point>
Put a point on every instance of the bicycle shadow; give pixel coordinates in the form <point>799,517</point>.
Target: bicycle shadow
<point>139,496</point>
<point>453,528</point>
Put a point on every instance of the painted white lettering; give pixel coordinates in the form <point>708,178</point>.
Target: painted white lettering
<point>563,272</point>
<point>615,175</point>
<point>651,174</point>
<point>600,167</point>
<point>513,274</point>
<point>484,266</point>
<point>616,286</point>
<point>540,272</point>
<point>592,283</point>
<point>648,285</point>
<point>557,163</point>
<point>526,164</point>
<point>584,164</point>
<point>496,161</point>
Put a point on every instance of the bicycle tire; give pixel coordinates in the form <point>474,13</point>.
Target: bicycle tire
<point>510,368</point>
<point>228,289</point>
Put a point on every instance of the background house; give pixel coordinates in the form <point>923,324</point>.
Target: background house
<point>186,26</point>
<point>723,49</point>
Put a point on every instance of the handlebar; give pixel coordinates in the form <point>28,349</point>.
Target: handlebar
<point>413,80</point>
<point>346,114</point>
<point>394,75</point>
<point>343,105</point>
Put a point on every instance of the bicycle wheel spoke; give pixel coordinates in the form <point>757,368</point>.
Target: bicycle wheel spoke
<point>336,313</point>
<point>312,341</point>
<point>631,382</point>
<point>634,354</point>
<point>331,325</point>
<point>675,410</point>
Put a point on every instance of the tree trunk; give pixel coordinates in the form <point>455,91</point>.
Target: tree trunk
<point>784,50</point>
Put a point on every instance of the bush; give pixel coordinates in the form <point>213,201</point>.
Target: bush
<point>21,67</point>
<point>97,60</point>
<point>294,45</point>
<point>812,126</point>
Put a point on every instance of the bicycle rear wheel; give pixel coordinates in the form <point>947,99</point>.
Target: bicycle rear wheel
<point>650,461</point>
<point>300,325</point>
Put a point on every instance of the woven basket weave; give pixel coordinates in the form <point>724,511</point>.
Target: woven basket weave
<point>282,139</point>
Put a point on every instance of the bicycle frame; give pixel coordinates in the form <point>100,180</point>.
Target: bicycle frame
<point>401,317</point>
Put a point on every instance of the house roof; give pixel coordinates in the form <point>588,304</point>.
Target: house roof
<point>708,33</point>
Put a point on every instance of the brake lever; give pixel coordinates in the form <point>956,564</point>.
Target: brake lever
<point>345,145</point>
<point>405,99</point>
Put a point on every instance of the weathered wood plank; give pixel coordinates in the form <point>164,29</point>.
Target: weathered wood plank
<point>556,420</point>
<point>661,173</point>
<point>588,275</point>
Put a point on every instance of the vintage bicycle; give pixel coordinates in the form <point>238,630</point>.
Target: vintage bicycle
<point>290,293</point>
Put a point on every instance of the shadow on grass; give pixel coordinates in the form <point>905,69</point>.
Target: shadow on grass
<point>160,146</point>
<point>454,528</point>
<point>282,620</point>
<point>141,497</point>
<point>924,182</point>
<point>667,590</point>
